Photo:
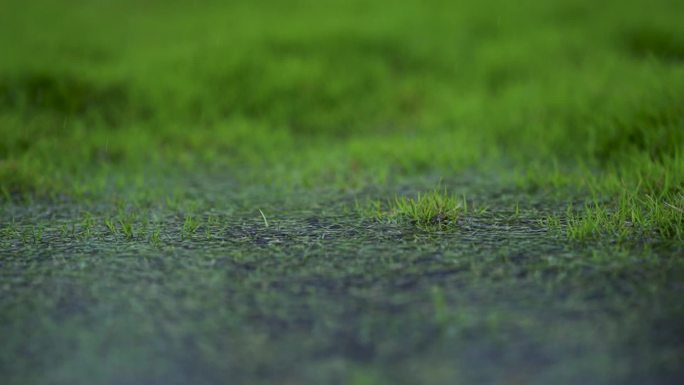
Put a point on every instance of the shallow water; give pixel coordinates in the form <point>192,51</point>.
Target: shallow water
<point>322,295</point>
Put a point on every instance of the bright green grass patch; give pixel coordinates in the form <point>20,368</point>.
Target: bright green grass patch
<point>638,197</point>
<point>634,216</point>
<point>430,210</point>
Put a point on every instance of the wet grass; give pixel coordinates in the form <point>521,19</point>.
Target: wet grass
<point>643,219</point>
<point>342,192</point>
<point>323,295</point>
<point>434,209</point>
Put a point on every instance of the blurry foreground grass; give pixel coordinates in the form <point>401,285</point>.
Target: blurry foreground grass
<point>348,94</point>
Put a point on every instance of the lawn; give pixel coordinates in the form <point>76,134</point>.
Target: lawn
<point>341,192</point>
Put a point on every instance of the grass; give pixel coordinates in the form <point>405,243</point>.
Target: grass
<point>155,236</point>
<point>264,218</point>
<point>321,278</point>
<point>634,217</point>
<point>271,106</point>
<point>139,140</point>
<point>127,227</point>
<point>109,223</point>
<point>190,226</point>
<point>433,209</point>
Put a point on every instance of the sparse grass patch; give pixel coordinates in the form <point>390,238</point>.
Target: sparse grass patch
<point>190,225</point>
<point>111,226</point>
<point>127,227</point>
<point>155,235</point>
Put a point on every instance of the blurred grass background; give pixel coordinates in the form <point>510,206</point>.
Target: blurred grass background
<point>347,93</point>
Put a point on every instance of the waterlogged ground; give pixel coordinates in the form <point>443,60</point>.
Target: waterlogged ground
<point>560,122</point>
<point>198,287</point>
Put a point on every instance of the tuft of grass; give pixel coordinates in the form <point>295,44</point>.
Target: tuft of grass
<point>633,215</point>
<point>109,224</point>
<point>127,227</point>
<point>593,221</point>
<point>433,209</point>
<point>190,226</point>
<point>155,236</point>
<point>87,223</point>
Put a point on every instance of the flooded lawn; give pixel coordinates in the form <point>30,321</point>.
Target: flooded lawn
<point>341,192</point>
<point>312,292</point>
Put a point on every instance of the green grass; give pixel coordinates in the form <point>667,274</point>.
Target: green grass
<point>634,217</point>
<point>569,96</point>
<point>127,228</point>
<point>179,178</point>
<point>239,299</point>
<point>190,226</point>
<point>432,209</point>
<point>109,223</point>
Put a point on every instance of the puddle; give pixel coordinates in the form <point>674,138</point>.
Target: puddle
<point>322,295</point>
